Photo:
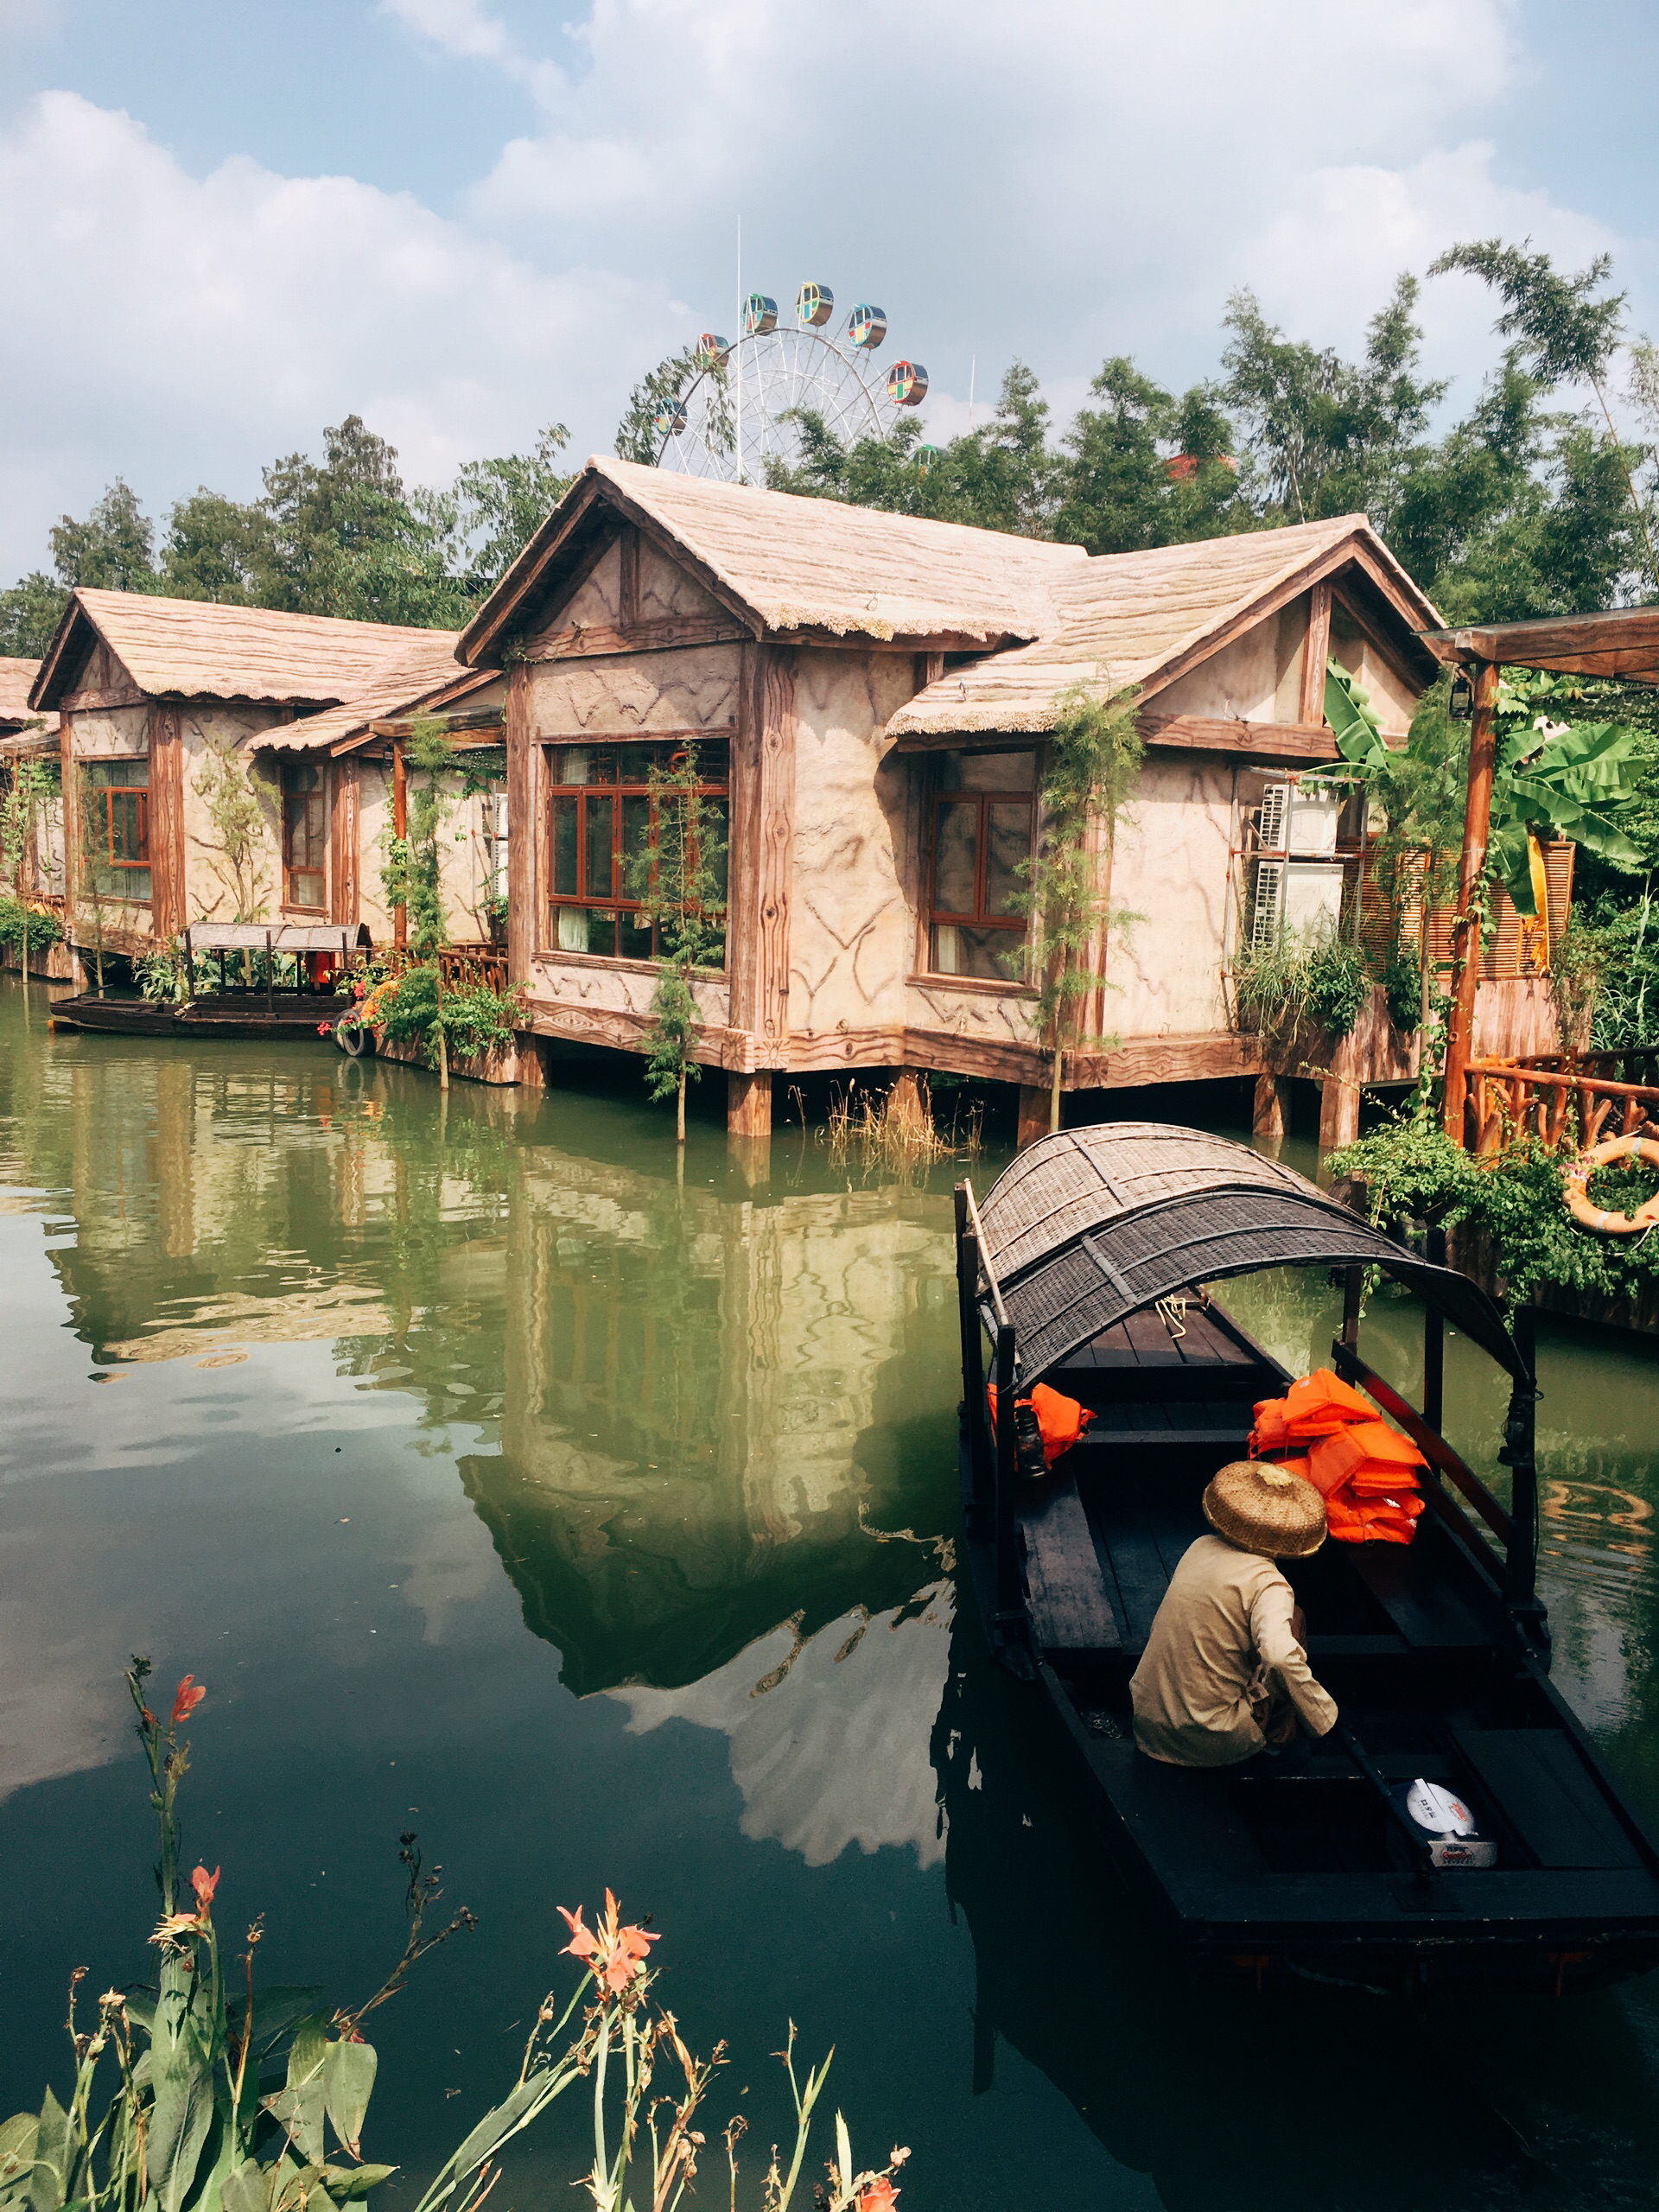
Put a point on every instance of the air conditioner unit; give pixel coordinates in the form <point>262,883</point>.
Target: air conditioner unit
<point>1302,822</point>
<point>1267,905</point>
<point>1270,817</point>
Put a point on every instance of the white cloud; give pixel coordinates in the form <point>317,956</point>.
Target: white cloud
<point>184,328</point>
<point>1075,178</point>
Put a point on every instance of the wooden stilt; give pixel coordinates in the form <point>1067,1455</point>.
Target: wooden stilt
<point>907,1101</point>
<point>1270,1113</point>
<point>1034,1114</point>
<point>1338,1114</point>
<point>748,1105</point>
<point>1466,950</point>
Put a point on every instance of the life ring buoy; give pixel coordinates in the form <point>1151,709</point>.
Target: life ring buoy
<point>1576,1188</point>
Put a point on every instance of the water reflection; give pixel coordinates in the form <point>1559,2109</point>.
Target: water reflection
<point>697,1438</point>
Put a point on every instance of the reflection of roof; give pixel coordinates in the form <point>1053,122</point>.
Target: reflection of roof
<point>1137,618</point>
<point>220,1328</point>
<point>195,649</point>
<point>1090,1225</point>
<point>798,563</point>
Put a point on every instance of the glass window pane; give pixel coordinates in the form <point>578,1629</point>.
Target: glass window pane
<point>634,934</point>
<point>304,889</point>
<point>601,930</point>
<point>956,858</point>
<point>998,956</point>
<point>717,817</point>
<point>636,764</point>
<point>946,952</point>
<point>1007,850</point>
<point>565,885</point>
<point>570,928</point>
<point>712,763</point>
<point>602,765</point>
<point>636,847</point>
<point>127,825</point>
<point>570,764</point>
<point>601,826</point>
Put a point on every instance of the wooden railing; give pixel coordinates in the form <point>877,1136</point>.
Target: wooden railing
<point>460,967</point>
<point>1554,1099</point>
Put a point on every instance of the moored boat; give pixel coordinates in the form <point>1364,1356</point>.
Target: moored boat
<point>1088,1269</point>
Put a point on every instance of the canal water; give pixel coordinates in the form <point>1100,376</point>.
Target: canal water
<point>597,1521</point>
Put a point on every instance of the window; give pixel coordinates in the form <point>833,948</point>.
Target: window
<point>982,808</point>
<point>601,829</point>
<point>304,838</point>
<point>117,827</point>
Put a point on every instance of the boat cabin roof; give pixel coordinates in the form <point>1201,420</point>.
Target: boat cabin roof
<point>280,937</point>
<point>1090,1225</point>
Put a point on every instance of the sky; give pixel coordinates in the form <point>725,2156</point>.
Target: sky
<point>223,227</point>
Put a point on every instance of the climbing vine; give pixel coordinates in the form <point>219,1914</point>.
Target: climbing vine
<point>1094,763</point>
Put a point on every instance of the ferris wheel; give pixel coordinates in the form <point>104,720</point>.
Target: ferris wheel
<point>743,405</point>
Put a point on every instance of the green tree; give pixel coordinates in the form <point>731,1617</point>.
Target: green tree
<point>639,435</point>
<point>348,540</point>
<point>29,615</point>
<point>1118,493</point>
<point>499,504</point>
<point>679,879</point>
<point>112,550</point>
<point>220,549</point>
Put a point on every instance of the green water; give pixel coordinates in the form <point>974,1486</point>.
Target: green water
<point>599,1524</point>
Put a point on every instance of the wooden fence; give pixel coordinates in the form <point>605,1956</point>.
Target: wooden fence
<point>1600,1095</point>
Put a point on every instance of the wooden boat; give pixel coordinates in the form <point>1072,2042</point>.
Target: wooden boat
<point>1437,1653</point>
<point>228,1011</point>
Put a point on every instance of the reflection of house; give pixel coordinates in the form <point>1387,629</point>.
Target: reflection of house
<point>689,1391</point>
<point>161,701</point>
<point>871,697</point>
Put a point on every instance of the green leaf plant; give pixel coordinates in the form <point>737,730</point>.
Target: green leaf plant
<point>680,878</point>
<point>207,2093</point>
<point>1094,761</point>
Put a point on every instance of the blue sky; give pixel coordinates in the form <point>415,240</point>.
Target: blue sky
<point>222,226</point>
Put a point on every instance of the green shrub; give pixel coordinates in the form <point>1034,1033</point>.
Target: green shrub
<point>1283,993</point>
<point>20,923</point>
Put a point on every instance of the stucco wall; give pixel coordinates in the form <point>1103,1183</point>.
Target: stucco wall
<point>209,882</point>
<point>1393,701</point>
<point>463,856</point>
<point>1170,867</point>
<point>632,695</point>
<point>1256,678</point>
<point>852,915</point>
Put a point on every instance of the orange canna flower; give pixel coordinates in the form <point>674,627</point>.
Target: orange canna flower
<point>204,1885</point>
<point>615,1955</point>
<point>878,2197</point>
<point>190,1695</point>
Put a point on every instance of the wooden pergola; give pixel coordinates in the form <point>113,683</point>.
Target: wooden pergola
<point>1622,644</point>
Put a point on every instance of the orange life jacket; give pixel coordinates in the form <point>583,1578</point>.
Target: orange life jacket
<point>1061,1420</point>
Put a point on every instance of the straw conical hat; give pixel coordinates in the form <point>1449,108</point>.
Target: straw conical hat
<point>1263,1508</point>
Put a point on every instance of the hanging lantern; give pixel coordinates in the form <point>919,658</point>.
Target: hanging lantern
<point>1461,704</point>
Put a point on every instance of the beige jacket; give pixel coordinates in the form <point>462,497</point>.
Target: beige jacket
<point>1222,1636</point>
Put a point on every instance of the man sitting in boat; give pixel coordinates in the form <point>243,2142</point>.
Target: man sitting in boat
<point>1223,1676</point>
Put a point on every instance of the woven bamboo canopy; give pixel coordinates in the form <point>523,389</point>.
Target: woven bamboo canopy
<point>1090,1225</point>
<point>280,937</point>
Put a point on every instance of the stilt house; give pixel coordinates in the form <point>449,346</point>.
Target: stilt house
<point>160,700</point>
<point>870,696</point>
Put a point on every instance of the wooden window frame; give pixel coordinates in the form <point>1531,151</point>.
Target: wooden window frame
<point>104,796</point>
<point>715,789</point>
<point>290,904</point>
<point>1017,927</point>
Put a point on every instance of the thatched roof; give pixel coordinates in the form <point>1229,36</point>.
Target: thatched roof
<point>786,564</point>
<point>16,681</point>
<point>404,691</point>
<point>1146,618</point>
<point>193,649</point>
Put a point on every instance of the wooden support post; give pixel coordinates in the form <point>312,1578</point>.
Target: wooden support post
<point>399,828</point>
<point>1520,1451</point>
<point>1338,1114</point>
<point>1353,1290</point>
<point>270,974</point>
<point>907,1107</point>
<point>1268,1116</point>
<point>1034,1114</point>
<point>973,1362</point>
<point>1465,943</point>
<point>748,1104</point>
<point>1315,653</point>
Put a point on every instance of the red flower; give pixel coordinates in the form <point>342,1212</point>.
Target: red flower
<point>325,1029</point>
<point>190,1695</point>
<point>615,1955</point>
<point>204,1885</point>
<point>878,2197</point>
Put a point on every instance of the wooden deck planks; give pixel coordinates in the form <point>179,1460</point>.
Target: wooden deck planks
<point>1063,1581</point>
